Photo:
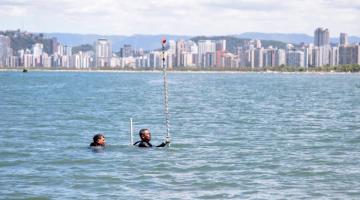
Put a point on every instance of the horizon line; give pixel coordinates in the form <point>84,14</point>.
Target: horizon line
<point>169,34</point>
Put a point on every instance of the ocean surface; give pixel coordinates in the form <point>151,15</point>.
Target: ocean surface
<point>234,136</point>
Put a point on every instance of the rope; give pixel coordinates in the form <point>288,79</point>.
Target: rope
<point>166,101</point>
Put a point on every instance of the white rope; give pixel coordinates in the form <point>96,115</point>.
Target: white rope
<point>166,101</point>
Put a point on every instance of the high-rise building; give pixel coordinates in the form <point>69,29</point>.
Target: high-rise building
<point>81,60</point>
<point>295,58</point>
<point>220,45</point>
<point>66,61</point>
<point>290,47</point>
<point>155,60</point>
<point>5,50</point>
<point>180,48</point>
<point>208,60</point>
<point>207,53</point>
<point>126,51</point>
<point>64,50</point>
<point>172,46</point>
<point>349,54</point>
<point>67,50</point>
<point>115,61</point>
<point>321,37</point>
<point>169,60</point>
<point>269,58</point>
<point>343,39</point>
<point>317,54</point>
<point>257,43</point>
<point>45,60</point>
<point>188,59</point>
<point>28,59</point>
<point>334,56</point>
<point>12,61</point>
<point>141,61</point>
<point>280,57</point>
<point>247,57</point>
<point>322,48</point>
<point>37,50</point>
<point>259,53</point>
<point>307,57</point>
<point>103,53</point>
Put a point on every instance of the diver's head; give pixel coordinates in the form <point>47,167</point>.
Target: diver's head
<point>99,139</point>
<point>145,135</point>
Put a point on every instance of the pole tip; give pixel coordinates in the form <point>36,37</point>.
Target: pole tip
<point>163,40</point>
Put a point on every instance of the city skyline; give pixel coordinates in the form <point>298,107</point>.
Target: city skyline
<point>202,54</point>
<point>200,17</point>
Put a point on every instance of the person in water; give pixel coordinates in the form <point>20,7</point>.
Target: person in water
<point>145,137</point>
<point>98,141</point>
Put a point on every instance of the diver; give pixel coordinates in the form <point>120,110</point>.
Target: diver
<point>98,141</point>
<point>145,137</point>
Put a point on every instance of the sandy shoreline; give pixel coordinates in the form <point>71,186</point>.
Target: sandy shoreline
<point>172,71</point>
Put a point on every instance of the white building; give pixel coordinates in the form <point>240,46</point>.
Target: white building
<point>180,48</point>
<point>322,47</point>
<point>334,56</point>
<point>206,53</point>
<point>81,60</point>
<point>115,61</point>
<point>142,62</point>
<point>349,54</point>
<point>45,60</point>
<point>172,46</point>
<point>28,59</point>
<point>258,60</point>
<point>322,37</point>
<point>321,56</point>
<point>295,58</point>
<point>269,57</point>
<point>5,50</point>
<point>220,45</point>
<point>103,53</point>
<point>280,57</point>
<point>343,39</point>
<point>37,50</point>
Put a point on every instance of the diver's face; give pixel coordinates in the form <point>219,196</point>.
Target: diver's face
<point>101,141</point>
<point>146,136</point>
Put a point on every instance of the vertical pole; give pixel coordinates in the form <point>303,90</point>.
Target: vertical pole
<point>131,132</point>
<point>166,108</point>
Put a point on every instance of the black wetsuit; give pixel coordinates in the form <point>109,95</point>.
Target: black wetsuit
<point>96,145</point>
<point>147,144</point>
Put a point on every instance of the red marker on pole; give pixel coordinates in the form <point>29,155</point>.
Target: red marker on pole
<point>163,40</point>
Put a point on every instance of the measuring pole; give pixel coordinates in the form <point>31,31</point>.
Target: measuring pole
<point>166,101</point>
<point>131,132</point>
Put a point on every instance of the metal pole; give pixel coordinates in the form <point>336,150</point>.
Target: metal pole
<point>131,132</point>
<point>166,101</point>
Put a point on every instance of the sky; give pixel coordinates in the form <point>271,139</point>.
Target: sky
<point>180,17</point>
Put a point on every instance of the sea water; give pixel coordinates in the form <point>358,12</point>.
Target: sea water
<point>234,136</point>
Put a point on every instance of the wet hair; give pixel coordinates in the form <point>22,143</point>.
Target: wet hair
<point>97,137</point>
<point>142,131</point>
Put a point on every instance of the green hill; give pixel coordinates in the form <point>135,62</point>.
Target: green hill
<point>232,43</point>
<point>25,40</point>
<point>83,48</point>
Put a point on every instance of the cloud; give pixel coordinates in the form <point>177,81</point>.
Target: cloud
<point>342,4</point>
<point>248,5</point>
<point>191,17</point>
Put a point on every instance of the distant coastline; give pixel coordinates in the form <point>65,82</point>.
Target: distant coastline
<point>265,71</point>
